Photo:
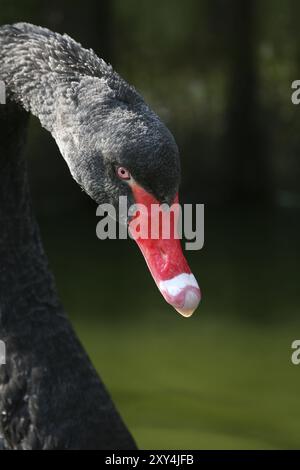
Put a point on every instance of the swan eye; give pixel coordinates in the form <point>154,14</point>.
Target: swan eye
<point>123,173</point>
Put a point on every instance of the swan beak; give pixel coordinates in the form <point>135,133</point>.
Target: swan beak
<point>164,256</point>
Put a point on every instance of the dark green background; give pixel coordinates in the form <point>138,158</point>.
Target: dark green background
<point>219,73</point>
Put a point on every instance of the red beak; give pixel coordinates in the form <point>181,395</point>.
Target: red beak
<point>162,251</point>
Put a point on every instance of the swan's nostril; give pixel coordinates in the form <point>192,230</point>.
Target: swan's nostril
<point>163,255</point>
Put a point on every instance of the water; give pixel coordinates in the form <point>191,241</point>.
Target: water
<point>221,379</point>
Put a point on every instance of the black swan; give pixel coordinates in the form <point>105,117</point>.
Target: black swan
<point>50,395</point>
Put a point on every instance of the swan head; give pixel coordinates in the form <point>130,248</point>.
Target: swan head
<point>115,145</point>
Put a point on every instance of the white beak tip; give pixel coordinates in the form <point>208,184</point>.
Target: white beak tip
<point>185,313</point>
<point>192,300</point>
<point>182,292</point>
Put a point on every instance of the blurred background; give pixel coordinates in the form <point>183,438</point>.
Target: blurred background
<point>219,73</point>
